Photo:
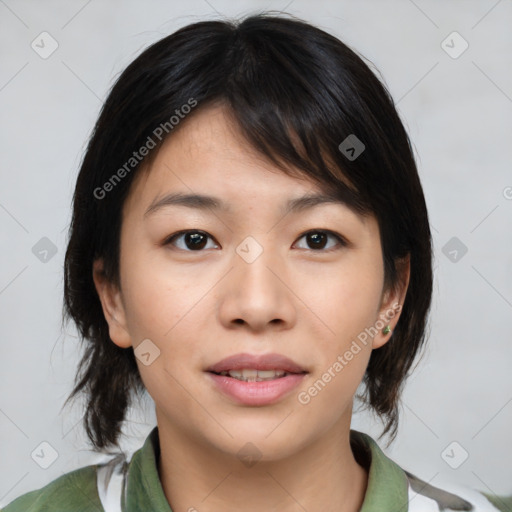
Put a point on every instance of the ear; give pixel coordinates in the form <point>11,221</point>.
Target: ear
<point>392,302</point>
<point>113,309</point>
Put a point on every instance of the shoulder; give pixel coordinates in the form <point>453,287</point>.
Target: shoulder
<point>76,491</point>
<point>392,488</point>
<point>449,497</point>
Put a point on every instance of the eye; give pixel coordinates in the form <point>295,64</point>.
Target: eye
<point>194,240</point>
<point>318,240</point>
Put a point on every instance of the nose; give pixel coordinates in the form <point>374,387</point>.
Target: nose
<point>257,295</point>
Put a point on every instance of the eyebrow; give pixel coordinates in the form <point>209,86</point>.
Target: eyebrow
<point>205,202</point>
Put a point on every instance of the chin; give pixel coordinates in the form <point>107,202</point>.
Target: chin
<point>260,442</point>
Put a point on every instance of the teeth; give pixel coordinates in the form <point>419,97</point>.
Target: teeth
<point>251,375</point>
<point>269,374</point>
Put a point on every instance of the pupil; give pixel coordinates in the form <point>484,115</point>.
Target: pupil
<point>316,238</point>
<point>196,240</point>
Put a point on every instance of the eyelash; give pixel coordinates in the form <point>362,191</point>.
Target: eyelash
<point>341,240</point>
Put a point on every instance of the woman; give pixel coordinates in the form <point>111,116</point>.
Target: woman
<point>250,244</point>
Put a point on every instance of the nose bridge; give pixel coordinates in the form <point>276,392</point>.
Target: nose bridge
<point>257,266</point>
<point>256,292</point>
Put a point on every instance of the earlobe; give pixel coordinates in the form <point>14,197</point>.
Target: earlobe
<point>392,303</point>
<point>111,303</point>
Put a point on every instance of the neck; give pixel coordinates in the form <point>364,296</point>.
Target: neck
<point>322,477</point>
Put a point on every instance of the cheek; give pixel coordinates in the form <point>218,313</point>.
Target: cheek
<point>346,299</point>
<point>162,304</point>
<point>348,304</point>
<point>157,295</point>
<point>330,392</point>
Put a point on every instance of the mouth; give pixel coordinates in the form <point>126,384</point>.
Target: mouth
<point>256,380</point>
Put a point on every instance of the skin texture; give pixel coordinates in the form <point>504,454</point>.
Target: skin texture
<point>200,306</point>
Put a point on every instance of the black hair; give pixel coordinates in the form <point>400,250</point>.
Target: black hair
<point>304,100</point>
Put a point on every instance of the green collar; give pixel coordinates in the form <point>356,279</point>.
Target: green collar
<point>388,487</point>
<point>387,482</point>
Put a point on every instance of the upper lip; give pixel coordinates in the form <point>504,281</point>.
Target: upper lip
<point>256,362</point>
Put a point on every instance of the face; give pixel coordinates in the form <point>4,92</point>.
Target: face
<point>201,283</point>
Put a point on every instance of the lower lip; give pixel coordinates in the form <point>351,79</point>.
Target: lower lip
<point>265,392</point>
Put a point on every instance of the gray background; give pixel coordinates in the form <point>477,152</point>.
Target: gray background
<point>458,113</point>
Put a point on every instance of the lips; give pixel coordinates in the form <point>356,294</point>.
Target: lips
<point>256,380</point>
<point>260,362</point>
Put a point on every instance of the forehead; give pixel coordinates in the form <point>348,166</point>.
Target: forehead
<point>207,154</point>
<point>208,164</point>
